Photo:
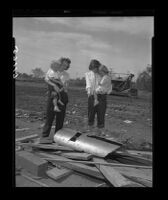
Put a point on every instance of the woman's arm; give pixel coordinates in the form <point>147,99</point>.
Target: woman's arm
<point>88,84</point>
<point>56,88</point>
<point>103,85</point>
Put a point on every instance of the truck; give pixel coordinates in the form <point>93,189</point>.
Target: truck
<point>122,85</point>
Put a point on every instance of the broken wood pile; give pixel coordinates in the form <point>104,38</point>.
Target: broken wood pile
<point>110,168</point>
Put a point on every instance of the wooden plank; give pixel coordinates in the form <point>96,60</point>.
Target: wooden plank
<point>141,181</point>
<point>91,171</point>
<point>137,173</point>
<point>32,163</point>
<point>61,159</point>
<point>146,154</point>
<point>127,158</point>
<point>26,138</point>
<point>139,152</point>
<point>35,181</point>
<point>113,176</point>
<point>102,185</point>
<point>78,156</point>
<point>56,173</point>
<point>47,146</point>
<point>22,129</point>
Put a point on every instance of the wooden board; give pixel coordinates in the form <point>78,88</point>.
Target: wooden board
<point>127,158</point>
<point>141,181</point>
<point>56,173</point>
<point>26,138</point>
<point>146,154</point>
<point>145,174</point>
<point>82,168</point>
<point>78,156</point>
<point>46,146</point>
<point>32,163</point>
<point>22,129</point>
<point>114,177</point>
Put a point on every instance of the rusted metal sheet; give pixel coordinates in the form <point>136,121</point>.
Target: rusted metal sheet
<point>80,142</point>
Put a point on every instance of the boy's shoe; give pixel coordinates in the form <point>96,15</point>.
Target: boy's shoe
<point>45,140</point>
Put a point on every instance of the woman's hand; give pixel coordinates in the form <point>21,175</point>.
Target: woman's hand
<point>100,92</point>
<point>56,88</point>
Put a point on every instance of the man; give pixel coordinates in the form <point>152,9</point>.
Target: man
<point>50,114</point>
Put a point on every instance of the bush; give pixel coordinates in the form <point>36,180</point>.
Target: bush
<point>144,80</point>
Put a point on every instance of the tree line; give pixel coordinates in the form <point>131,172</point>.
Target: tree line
<point>143,81</point>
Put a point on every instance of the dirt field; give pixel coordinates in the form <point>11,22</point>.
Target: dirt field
<point>136,133</point>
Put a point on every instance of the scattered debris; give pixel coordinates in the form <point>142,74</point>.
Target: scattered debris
<point>121,168</point>
<point>128,121</point>
<point>23,129</point>
<point>67,122</point>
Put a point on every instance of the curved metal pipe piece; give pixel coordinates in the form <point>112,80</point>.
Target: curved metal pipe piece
<point>77,141</point>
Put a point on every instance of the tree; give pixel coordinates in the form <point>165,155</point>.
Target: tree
<point>38,73</point>
<point>144,80</point>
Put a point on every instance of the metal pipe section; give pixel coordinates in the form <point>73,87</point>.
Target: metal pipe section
<point>80,142</point>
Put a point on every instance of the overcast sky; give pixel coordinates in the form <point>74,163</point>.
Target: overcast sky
<point>121,43</point>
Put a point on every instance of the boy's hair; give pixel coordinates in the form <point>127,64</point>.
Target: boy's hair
<point>104,69</point>
<point>55,64</point>
<point>94,64</point>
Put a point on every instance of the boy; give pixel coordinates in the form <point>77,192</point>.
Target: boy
<point>54,76</point>
<point>105,86</point>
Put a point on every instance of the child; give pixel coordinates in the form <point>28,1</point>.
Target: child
<point>55,77</point>
<point>105,86</point>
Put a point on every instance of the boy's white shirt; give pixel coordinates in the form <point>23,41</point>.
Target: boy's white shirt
<point>92,81</point>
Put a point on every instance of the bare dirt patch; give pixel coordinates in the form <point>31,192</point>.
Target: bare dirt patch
<point>129,120</point>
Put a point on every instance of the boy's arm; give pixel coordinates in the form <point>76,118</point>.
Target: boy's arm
<point>56,81</point>
<point>66,84</point>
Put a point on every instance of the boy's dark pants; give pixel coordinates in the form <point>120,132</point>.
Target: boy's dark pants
<point>99,109</point>
<point>50,114</point>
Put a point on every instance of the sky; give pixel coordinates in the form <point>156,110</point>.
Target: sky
<point>120,43</point>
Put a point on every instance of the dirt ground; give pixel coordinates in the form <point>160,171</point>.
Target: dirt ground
<point>129,120</point>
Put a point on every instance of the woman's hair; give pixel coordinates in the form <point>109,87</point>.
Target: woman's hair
<point>62,59</point>
<point>94,64</point>
<point>104,69</point>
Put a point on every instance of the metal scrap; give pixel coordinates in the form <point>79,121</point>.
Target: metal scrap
<point>94,145</point>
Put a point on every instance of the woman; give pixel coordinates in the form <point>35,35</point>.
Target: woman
<point>50,114</point>
<point>93,79</point>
